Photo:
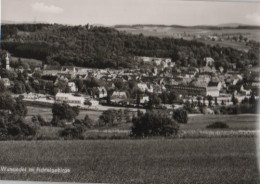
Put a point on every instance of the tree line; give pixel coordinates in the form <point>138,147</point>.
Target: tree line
<point>102,47</point>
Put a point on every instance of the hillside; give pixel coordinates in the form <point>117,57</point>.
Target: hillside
<point>102,47</point>
<point>249,32</point>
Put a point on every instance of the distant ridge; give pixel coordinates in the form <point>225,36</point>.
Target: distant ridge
<point>217,27</point>
<point>17,22</point>
<point>220,26</point>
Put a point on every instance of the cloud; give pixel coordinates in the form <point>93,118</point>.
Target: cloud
<point>254,17</point>
<point>44,8</point>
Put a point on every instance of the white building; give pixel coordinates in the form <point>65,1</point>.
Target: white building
<point>144,99</point>
<point>70,99</point>
<point>213,89</point>
<point>6,82</point>
<point>7,66</point>
<point>119,94</point>
<point>143,87</point>
<point>72,87</point>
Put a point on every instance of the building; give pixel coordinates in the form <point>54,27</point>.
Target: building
<point>119,94</point>
<point>69,98</point>
<point>187,90</point>
<point>144,99</point>
<point>209,61</point>
<point>143,87</point>
<point>101,92</point>
<point>212,91</point>
<point>6,82</point>
<point>72,87</point>
<point>7,62</point>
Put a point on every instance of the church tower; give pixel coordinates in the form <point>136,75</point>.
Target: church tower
<point>7,66</point>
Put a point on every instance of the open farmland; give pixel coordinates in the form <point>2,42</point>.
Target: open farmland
<point>196,121</point>
<point>171,31</point>
<point>235,122</point>
<point>244,125</point>
<point>189,33</point>
<point>225,160</point>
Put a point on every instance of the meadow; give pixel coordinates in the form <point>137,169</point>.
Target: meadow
<point>214,160</point>
<point>244,125</point>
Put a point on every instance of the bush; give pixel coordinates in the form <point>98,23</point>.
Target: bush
<point>39,120</point>
<point>218,125</point>
<point>17,129</point>
<point>72,132</point>
<point>154,124</point>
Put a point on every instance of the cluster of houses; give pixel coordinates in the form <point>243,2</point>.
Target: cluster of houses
<point>162,76</point>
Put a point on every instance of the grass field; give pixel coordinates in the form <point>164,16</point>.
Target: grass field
<point>196,127</point>
<point>214,161</point>
<point>235,122</point>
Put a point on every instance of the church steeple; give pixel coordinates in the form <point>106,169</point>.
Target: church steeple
<point>7,66</point>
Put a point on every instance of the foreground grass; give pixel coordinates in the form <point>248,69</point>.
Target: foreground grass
<point>225,160</point>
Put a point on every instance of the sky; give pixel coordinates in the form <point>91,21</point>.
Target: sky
<point>114,12</point>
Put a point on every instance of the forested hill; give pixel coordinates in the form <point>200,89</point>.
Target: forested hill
<point>102,47</point>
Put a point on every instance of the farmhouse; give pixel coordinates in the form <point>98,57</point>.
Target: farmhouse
<point>213,89</point>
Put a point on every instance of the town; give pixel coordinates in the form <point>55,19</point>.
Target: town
<point>158,83</point>
<point>131,92</point>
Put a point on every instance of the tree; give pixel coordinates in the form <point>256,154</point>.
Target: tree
<point>222,102</point>
<point>19,87</point>
<point>108,117</point>
<point>154,101</point>
<point>154,123</point>
<point>210,98</point>
<point>234,99</point>
<point>2,86</point>
<point>20,107</point>
<point>119,84</point>
<point>216,101</point>
<point>199,101</point>
<point>252,99</point>
<point>63,111</point>
<point>164,98</point>
<point>180,115</point>
<point>7,103</point>
<point>20,128</point>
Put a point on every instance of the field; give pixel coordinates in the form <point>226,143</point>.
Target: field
<point>222,160</point>
<point>235,122</point>
<point>188,34</point>
<point>47,113</point>
<point>167,31</point>
<point>239,125</point>
<point>196,121</point>
<point>213,157</point>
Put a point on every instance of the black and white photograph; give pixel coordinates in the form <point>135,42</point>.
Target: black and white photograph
<point>130,91</point>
